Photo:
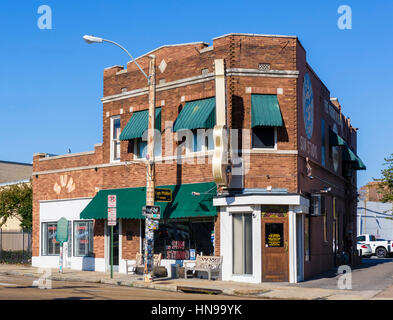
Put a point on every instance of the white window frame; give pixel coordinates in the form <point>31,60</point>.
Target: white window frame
<point>275,141</point>
<point>74,235</point>
<point>112,140</point>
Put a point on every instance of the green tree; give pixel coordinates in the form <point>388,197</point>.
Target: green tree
<point>385,186</point>
<point>17,201</point>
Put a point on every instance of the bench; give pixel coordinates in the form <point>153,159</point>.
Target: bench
<point>207,264</point>
<point>138,262</point>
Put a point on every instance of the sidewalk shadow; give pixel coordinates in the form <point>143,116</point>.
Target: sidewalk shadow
<point>366,263</point>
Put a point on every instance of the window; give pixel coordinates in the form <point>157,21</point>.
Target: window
<point>83,238</point>
<point>372,238</point>
<point>242,243</point>
<point>202,140</point>
<point>176,239</point>
<point>50,246</point>
<point>115,142</point>
<point>264,137</point>
<point>140,147</point>
<point>361,238</point>
<point>264,66</point>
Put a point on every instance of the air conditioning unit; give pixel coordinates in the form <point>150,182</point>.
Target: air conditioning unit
<point>317,205</point>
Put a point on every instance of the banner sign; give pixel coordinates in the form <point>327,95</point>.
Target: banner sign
<point>162,195</point>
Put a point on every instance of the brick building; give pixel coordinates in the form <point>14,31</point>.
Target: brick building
<point>290,205</point>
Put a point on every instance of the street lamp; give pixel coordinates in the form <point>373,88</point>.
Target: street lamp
<point>150,176</point>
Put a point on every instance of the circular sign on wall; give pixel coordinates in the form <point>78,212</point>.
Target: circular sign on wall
<point>308,106</point>
<point>335,151</point>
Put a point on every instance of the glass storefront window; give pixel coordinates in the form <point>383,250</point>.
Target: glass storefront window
<point>83,238</point>
<point>182,240</point>
<point>49,244</point>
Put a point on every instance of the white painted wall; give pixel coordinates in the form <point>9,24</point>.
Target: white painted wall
<point>52,211</point>
<point>226,241</point>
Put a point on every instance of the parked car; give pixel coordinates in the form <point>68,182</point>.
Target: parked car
<point>364,250</point>
<point>379,248</point>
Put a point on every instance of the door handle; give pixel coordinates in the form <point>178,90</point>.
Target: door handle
<point>286,247</point>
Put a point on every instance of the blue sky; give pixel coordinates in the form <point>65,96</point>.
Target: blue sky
<point>51,81</point>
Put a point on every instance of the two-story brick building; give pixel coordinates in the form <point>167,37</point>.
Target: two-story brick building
<point>289,208</point>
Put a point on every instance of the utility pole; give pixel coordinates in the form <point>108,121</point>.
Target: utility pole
<point>150,175</point>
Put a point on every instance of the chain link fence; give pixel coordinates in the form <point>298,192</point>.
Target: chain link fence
<point>15,246</point>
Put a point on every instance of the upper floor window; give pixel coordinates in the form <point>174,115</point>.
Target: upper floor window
<point>202,140</point>
<point>114,139</point>
<point>140,146</point>
<point>264,137</point>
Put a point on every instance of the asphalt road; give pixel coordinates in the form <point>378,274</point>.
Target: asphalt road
<point>21,288</point>
<point>373,274</point>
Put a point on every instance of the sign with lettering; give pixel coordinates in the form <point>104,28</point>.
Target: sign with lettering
<point>62,230</point>
<point>274,235</point>
<point>162,195</point>
<point>112,216</point>
<point>154,212</point>
<point>112,201</point>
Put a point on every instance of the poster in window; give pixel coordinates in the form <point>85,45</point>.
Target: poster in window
<point>274,235</point>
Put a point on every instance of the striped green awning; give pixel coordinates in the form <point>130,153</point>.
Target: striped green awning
<point>349,156</point>
<point>197,114</point>
<point>335,139</point>
<point>265,111</point>
<point>131,200</point>
<point>139,123</point>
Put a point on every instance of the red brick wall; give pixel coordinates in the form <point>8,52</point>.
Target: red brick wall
<point>282,169</point>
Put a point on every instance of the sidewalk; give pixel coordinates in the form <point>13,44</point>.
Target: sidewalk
<point>262,290</point>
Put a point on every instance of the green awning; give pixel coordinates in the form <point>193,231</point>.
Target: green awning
<point>335,139</point>
<point>131,200</point>
<point>265,111</point>
<point>198,114</point>
<point>139,123</point>
<point>349,156</point>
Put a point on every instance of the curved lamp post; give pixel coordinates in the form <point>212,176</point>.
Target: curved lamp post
<point>150,185</point>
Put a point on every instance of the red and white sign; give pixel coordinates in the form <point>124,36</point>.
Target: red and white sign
<point>111,216</point>
<point>112,201</point>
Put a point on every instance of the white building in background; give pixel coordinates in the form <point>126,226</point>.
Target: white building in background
<point>375,218</point>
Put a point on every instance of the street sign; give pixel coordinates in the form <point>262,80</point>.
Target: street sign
<point>112,201</point>
<point>112,216</point>
<point>62,230</point>
<point>61,236</point>
<point>162,195</point>
<point>153,212</point>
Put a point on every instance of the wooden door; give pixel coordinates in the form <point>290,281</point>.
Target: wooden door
<point>275,246</point>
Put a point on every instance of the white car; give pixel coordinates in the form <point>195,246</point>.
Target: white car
<point>364,250</point>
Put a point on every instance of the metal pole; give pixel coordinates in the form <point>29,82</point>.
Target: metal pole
<point>150,183</point>
<point>111,252</point>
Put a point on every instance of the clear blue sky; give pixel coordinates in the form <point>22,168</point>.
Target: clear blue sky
<point>51,81</point>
